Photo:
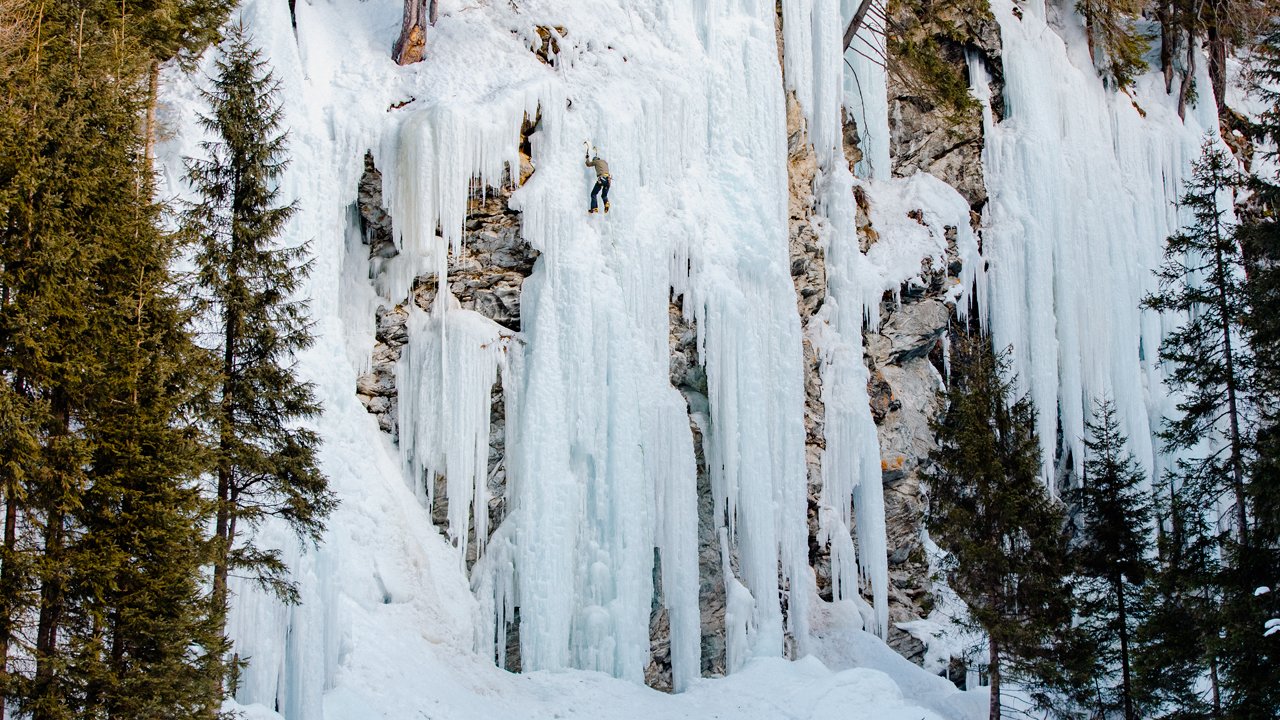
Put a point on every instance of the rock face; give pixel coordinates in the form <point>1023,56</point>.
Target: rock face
<point>495,260</point>
<point>486,277</point>
<point>927,133</point>
<point>904,355</point>
<point>809,274</point>
<point>377,388</point>
<point>689,377</point>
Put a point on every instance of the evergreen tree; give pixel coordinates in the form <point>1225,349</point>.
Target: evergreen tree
<point>244,284</point>
<point>1202,279</point>
<point>1260,240</point>
<point>100,571</point>
<point>63,208</point>
<point>1214,564</point>
<point>1264,85</point>
<point>1114,40</point>
<point>1251,660</point>
<point>1109,557</point>
<point>991,512</point>
<point>149,636</point>
<point>1215,28</point>
<point>1176,654</point>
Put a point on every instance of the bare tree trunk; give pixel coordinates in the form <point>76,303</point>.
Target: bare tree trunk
<point>1188,75</point>
<point>855,23</point>
<point>1087,7</point>
<point>1168,38</point>
<point>51,607</point>
<point>7,582</point>
<point>153,86</point>
<point>1117,583</point>
<point>412,44</point>
<point>52,590</point>
<point>1215,692</point>
<point>993,672</point>
<point>1218,67</point>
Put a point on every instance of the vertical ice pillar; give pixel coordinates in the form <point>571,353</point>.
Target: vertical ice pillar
<point>816,62</point>
<point>446,374</point>
<point>749,338</point>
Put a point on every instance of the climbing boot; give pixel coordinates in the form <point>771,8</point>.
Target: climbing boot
<point>594,210</point>
<point>606,206</point>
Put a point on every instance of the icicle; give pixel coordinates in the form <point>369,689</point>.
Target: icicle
<point>1082,190</point>
<point>428,174</point>
<point>446,373</point>
<point>670,462</point>
<point>813,33</point>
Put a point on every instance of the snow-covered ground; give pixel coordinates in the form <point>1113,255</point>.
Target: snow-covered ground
<point>685,101</point>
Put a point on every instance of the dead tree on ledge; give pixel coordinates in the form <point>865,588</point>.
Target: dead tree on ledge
<point>418,14</point>
<point>856,23</point>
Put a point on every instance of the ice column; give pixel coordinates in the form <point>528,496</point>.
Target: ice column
<point>813,30</point>
<point>604,465</point>
<point>428,169</point>
<point>446,374</point>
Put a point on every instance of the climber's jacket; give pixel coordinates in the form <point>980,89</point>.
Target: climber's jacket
<point>602,167</point>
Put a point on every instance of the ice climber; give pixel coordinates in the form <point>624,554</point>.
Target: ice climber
<point>602,182</point>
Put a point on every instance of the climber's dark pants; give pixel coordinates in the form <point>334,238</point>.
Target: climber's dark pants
<point>601,189</point>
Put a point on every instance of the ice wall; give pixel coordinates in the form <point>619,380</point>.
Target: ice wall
<point>1083,187</point>
<point>446,375</point>
<point>815,62</point>
<point>603,473</point>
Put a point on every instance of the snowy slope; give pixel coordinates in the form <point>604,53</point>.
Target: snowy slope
<point>686,102</point>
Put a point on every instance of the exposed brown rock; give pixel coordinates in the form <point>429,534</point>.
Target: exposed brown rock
<point>411,46</point>
<point>923,136</point>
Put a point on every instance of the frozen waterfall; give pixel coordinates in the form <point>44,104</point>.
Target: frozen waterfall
<point>600,530</point>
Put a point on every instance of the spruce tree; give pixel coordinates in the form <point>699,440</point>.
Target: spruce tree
<point>1109,557</point>
<point>1114,40</point>
<point>149,636</point>
<point>62,209</point>
<point>1251,660</point>
<point>1202,279</point>
<point>101,593</point>
<point>1260,240</point>
<point>244,284</point>
<point>1217,364</point>
<point>989,509</point>
<point>1264,86</point>
<point>1176,659</point>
